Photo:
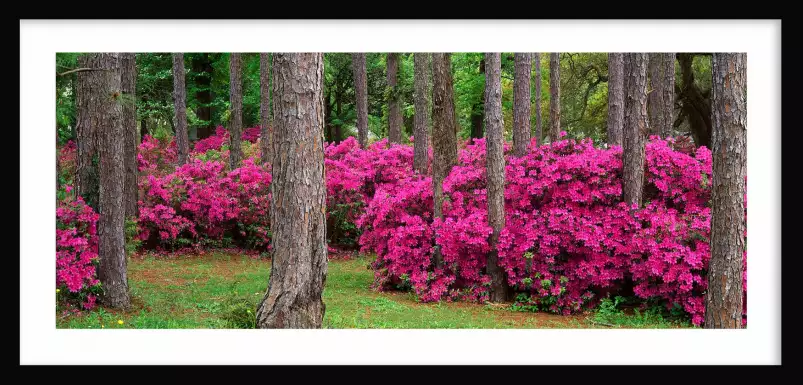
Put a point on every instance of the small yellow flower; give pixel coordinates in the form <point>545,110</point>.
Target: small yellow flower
<point>102,326</point>
<point>58,290</point>
<point>119,322</point>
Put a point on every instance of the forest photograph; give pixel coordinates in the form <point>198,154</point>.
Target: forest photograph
<point>417,189</point>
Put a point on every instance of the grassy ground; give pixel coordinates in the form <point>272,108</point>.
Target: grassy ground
<point>220,290</point>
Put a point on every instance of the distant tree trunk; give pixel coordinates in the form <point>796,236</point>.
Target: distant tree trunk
<point>724,294</point>
<point>669,92</point>
<point>636,127</point>
<point>554,99</point>
<point>444,135</point>
<point>128,79</point>
<point>616,98</point>
<point>202,66</point>
<point>180,108</point>
<point>143,129</point>
<point>236,120</point>
<point>361,92</point>
<point>336,135</point>
<point>298,207</point>
<point>420,147</point>
<point>106,109</point>
<point>478,110</point>
<point>655,95</point>
<point>696,102</point>
<point>495,164</point>
<point>266,134</point>
<point>521,102</point>
<point>538,126</point>
<point>87,176</point>
<point>394,107</point>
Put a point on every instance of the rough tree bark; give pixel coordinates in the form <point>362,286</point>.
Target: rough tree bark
<point>655,93</point>
<point>236,120</point>
<point>180,109</point>
<point>202,67</point>
<point>128,80</point>
<point>265,112</point>
<point>616,98</point>
<point>495,166</point>
<point>298,206</point>
<point>554,99</point>
<point>421,150</point>
<point>521,102</point>
<point>669,92</point>
<point>478,110</point>
<point>106,113</point>
<point>538,126</point>
<point>724,295</point>
<point>636,127</point>
<point>358,62</point>
<point>444,135</point>
<point>87,175</point>
<point>394,106</point>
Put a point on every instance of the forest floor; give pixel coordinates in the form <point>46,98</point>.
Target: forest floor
<point>222,290</point>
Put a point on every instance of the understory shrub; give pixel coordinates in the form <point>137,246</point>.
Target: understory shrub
<point>76,251</point>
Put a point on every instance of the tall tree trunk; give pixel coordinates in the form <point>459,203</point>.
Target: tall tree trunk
<point>143,128</point>
<point>202,66</point>
<point>298,206</point>
<point>337,136</point>
<point>444,135</point>
<point>669,92</point>
<point>538,127</point>
<point>636,127</point>
<point>655,95</point>
<point>554,99</point>
<point>724,294</point>
<point>180,108</point>
<point>361,93</point>
<point>478,110</point>
<point>128,79</point>
<point>394,103</point>
<point>87,176</point>
<point>327,117</point>
<point>236,120</point>
<point>616,98</point>
<point>495,165</point>
<point>696,102</point>
<point>106,109</point>
<point>521,102</point>
<point>420,147</point>
<point>266,134</point>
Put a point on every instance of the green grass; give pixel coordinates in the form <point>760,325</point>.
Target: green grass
<point>221,290</point>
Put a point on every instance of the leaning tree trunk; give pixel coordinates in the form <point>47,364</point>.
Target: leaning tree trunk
<point>87,175</point>
<point>444,134</point>
<point>669,92</point>
<point>729,138</point>
<point>236,121</point>
<point>361,94</point>
<point>128,79</point>
<point>106,109</point>
<point>521,102</point>
<point>298,207</point>
<point>495,167</point>
<point>478,110</point>
<point>636,127</point>
<point>394,107</point>
<point>421,150</point>
<point>266,134</point>
<point>180,108</point>
<point>554,99</point>
<point>655,95</point>
<point>538,127</point>
<point>616,98</point>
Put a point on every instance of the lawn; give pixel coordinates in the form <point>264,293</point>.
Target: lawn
<point>221,290</point>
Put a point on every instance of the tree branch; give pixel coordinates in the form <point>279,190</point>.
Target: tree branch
<point>81,70</point>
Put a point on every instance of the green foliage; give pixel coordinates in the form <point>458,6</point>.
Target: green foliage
<point>610,313</point>
<point>132,242</point>
<point>239,311</point>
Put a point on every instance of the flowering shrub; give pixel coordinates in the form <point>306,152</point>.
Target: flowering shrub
<point>213,142</point>
<point>76,251</point>
<point>67,158</point>
<point>156,157</point>
<point>251,134</point>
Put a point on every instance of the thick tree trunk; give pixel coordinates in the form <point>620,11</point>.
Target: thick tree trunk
<point>554,99</point>
<point>420,147</point>
<point>298,207</point>
<point>180,109</point>
<point>636,127</point>
<point>521,102</point>
<point>724,294</point>
<point>358,62</point>
<point>669,92</point>
<point>478,110</point>
<point>616,98</point>
<point>495,166</point>
<point>444,135</point>
<point>128,79</point>
<point>266,134</point>
<point>106,109</point>
<point>394,103</point>
<point>87,176</point>
<point>236,120</point>
<point>202,66</point>
<point>538,126</point>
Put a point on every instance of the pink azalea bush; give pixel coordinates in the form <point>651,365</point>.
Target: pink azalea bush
<point>156,157</point>
<point>76,251</point>
<point>213,142</point>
